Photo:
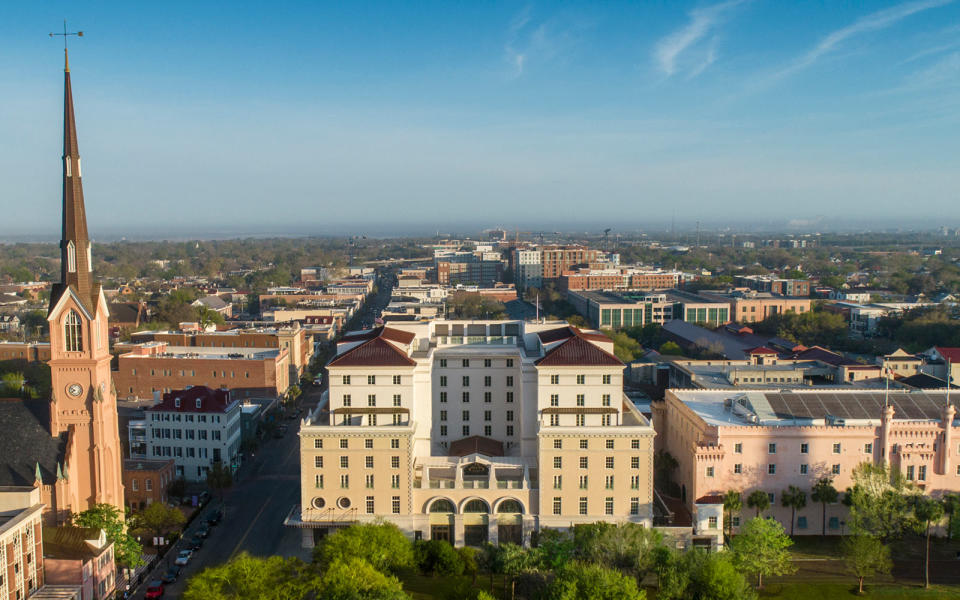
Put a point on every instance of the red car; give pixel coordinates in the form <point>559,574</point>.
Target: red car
<point>154,590</point>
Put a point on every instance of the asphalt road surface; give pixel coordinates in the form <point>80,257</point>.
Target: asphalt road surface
<point>267,487</point>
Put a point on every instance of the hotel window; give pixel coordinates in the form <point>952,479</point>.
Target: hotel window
<point>347,400</point>
<point>581,420</point>
<point>557,444</point>
<point>397,419</point>
<point>921,473</point>
<point>634,482</point>
<point>371,399</point>
<point>443,415</point>
<point>344,443</point>
<point>584,462</point>
<point>836,448</point>
<point>738,468</point>
<point>635,444</point>
<point>771,496</point>
<point>608,444</point>
<point>465,396</point>
<point>801,522</point>
<point>709,471</point>
<point>371,420</point>
<point>608,482</point>
<point>443,396</point>
<point>487,415</point>
<point>394,443</point>
<point>318,462</point>
<point>804,469</point>
<point>584,482</point>
<point>346,380</point>
<point>581,399</point>
<point>345,481</point>
<point>581,379</point>
<point>509,362</point>
<point>634,462</point>
<point>609,462</point>
<point>443,362</point>
<point>371,379</point>
<point>443,430</point>
<point>606,379</point>
<point>396,399</point>
<point>554,379</point>
<point>369,482</point>
<point>509,430</point>
<point>487,430</point>
<point>584,444</point>
<point>771,448</point>
<point>443,381</point>
<point>557,506</point>
<point>712,522</point>
<point>466,362</point>
<point>509,380</point>
<point>605,400</point>
<point>804,448</point>
<point>368,462</point>
<point>583,505</point>
<point>395,505</point>
<point>396,379</point>
<point>488,397</point>
<point>835,469</point>
<point>509,396</point>
<point>606,420</point>
<point>509,415</point>
<point>557,482</point>
<point>487,381</point>
<point>465,415</point>
<point>395,481</point>
<point>369,505</point>
<point>318,481</point>
<point>910,472</point>
<point>466,380</point>
<point>466,430</point>
<point>738,448</point>
<point>868,448</point>
<point>344,462</point>
<point>487,362</point>
<point>634,506</point>
<point>608,506</point>
<point>554,420</point>
<point>771,469</point>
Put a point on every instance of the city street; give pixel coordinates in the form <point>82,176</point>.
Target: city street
<point>265,490</point>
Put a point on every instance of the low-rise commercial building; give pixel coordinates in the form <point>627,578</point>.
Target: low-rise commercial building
<point>21,541</point>
<point>80,556</point>
<point>145,480</point>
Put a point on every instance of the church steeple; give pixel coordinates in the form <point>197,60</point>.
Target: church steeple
<point>75,242</point>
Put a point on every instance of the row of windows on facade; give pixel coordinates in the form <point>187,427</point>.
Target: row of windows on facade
<point>804,448</point>
<point>369,504</point>
<point>772,469</point>
<point>193,373</point>
<point>318,481</point>
<point>465,397</point>
<point>581,420</point>
<point>345,443</point>
<point>465,362</point>
<point>165,416</point>
<point>465,379</point>
<point>487,415</point>
<point>584,462</point>
<point>397,419</point>
<point>188,452</point>
<point>584,508</point>
<point>608,482</point>
<point>367,462</point>
<point>487,430</point>
<point>179,434</point>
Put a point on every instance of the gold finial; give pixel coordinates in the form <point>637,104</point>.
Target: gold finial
<point>66,56</point>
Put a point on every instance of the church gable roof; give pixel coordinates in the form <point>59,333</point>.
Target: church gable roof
<point>25,443</point>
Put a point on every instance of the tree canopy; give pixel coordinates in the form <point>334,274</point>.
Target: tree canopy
<point>382,545</point>
<point>761,549</point>
<point>126,550</point>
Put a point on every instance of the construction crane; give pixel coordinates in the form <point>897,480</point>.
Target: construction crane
<point>606,239</point>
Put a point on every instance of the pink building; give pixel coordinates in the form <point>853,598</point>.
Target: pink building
<point>768,440</point>
<point>80,556</point>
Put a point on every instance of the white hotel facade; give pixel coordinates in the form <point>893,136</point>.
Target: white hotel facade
<point>474,431</point>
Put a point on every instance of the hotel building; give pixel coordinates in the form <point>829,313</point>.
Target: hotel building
<point>474,431</point>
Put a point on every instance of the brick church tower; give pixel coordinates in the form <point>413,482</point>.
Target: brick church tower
<point>83,404</point>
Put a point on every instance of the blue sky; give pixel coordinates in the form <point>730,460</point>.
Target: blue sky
<point>329,117</point>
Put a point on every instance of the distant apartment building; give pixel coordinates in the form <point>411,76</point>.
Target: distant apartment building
<point>608,310</point>
<point>291,338</point>
<point>757,306</point>
<point>474,432</point>
<point>619,279</point>
<point>153,368</point>
<point>145,480</point>
<point>21,541</point>
<point>768,440</point>
<point>775,285</point>
<point>196,427</point>
<point>478,268</point>
<point>25,351</point>
<point>528,268</point>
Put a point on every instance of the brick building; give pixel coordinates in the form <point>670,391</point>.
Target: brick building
<point>619,279</point>
<point>21,541</point>
<point>145,481</point>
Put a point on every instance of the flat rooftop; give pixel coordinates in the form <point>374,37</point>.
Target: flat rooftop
<point>203,353</point>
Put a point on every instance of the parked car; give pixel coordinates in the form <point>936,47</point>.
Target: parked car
<point>154,590</point>
<point>203,532</point>
<point>318,380</point>
<point>183,558</point>
<point>214,517</point>
<point>204,497</point>
<point>171,574</point>
<point>195,544</point>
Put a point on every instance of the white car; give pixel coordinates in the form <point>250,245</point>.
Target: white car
<point>183,558</point>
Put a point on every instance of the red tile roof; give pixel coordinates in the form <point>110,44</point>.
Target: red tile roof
<point>555,335</point>
<point>394,335</point>
<point>476,444</point>
<point>711,499</point>
<point>376,352</point>
<point>211,401</point>
<point>577,351</point>
<point>951,354</point>
<point>761,350</point>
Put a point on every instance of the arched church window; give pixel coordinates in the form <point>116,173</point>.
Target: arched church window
<point>73,334</point>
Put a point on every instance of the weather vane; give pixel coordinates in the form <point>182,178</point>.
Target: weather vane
<point>66,59</point>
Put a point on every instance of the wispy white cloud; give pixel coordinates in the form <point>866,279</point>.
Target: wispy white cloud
<point>876,21</point>
<point>540,40</point>
<point>703,21</point>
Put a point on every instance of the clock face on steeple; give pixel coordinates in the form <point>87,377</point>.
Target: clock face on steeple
<point>75,389</point>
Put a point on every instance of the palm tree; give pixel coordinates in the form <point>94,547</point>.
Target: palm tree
<point>927,511</point>
<point>824,493</point>
<point>759,500</point>
<point>732,502</point>
<point>793,498</point>
<point>951,507</point>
